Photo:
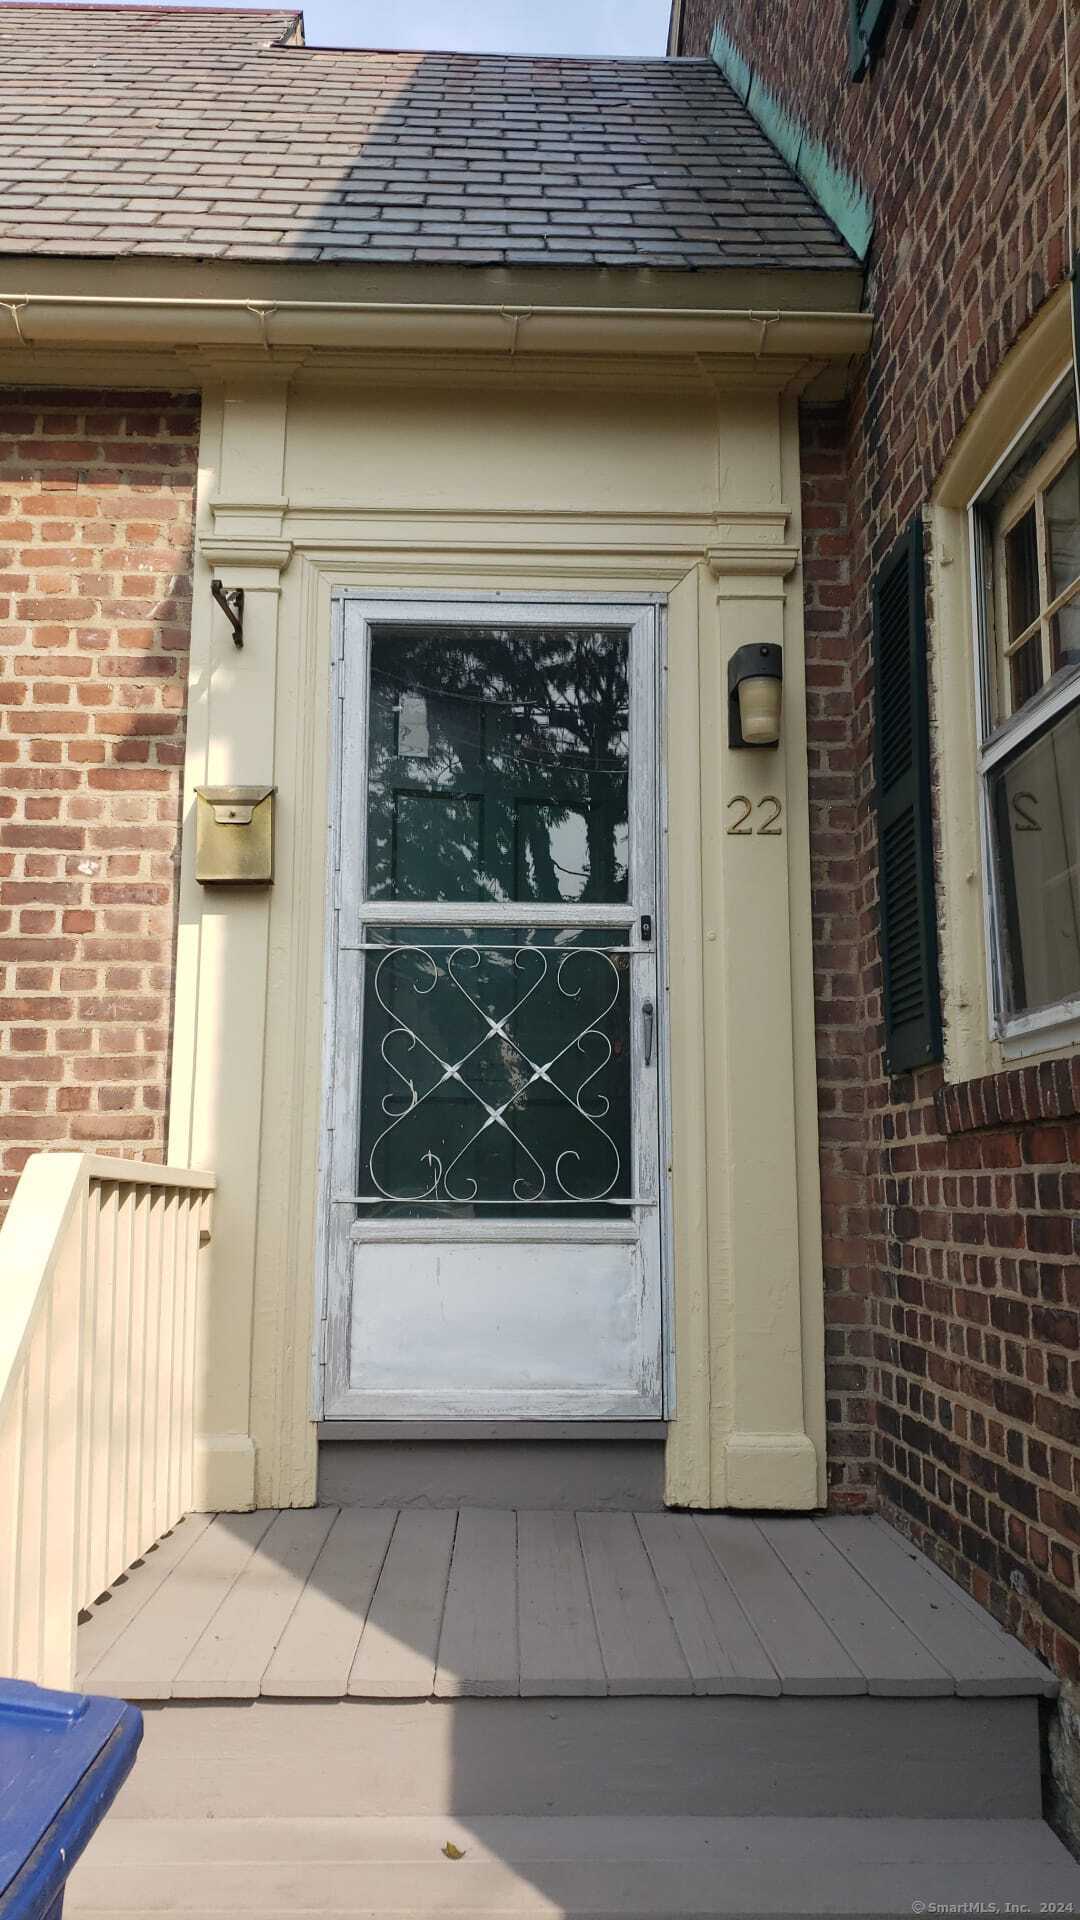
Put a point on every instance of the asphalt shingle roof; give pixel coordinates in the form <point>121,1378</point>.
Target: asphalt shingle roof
<point>142,130</point>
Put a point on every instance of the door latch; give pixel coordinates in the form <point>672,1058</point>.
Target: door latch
<point>648,1023</point>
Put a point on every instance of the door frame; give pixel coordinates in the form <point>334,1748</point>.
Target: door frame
<point>486,605</point>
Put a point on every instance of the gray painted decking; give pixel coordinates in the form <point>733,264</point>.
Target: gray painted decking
<point>327,1603</point>
<point>673,1869</point>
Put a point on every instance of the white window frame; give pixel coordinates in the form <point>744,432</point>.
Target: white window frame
<point>1058,1024</point>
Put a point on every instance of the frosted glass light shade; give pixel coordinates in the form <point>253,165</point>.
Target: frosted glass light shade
<point>759,710</point>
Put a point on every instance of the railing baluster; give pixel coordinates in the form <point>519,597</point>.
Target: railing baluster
<point>170,1476</point>
<point>62,1529</point>
<point>29,1625</point>
<point>92,1387</point>
<point>102,1384</point>
<point>121,1406</point>
<point>197,1206</point>
<point>151,1428</point>
<point>12,1468</point>
<point>97,1390</point>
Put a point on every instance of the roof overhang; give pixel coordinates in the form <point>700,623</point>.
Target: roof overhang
<point>481,325</point>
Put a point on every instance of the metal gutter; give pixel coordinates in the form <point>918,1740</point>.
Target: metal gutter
<point>52,320</point>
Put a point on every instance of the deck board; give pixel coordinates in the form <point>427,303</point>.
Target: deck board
<point>143,1663</point>
<point>892,1660</point>
<point>396,1656</point>
<point>558,1648</point>
<point>805,1652</point>
<point>982,1659</point>
<point>720,1646</point>
<point>478,1643</point>
<point>315,1654</point>
<point>637,1639</point>
<point>379,1605</point>
<point>117,1609</point>
<point>233,1652</point>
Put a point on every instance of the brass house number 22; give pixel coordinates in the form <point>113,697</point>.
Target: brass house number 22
<point>770,811</point>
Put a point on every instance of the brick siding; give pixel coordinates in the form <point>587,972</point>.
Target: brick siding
<point>951,1248</point>
<point>96,498</point>
<point>841,1036</point>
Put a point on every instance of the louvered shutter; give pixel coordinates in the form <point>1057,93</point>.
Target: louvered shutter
<point>867,24</point>
<point>909,955</point>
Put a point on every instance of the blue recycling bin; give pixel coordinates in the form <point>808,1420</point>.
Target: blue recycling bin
<point>63,1759</point>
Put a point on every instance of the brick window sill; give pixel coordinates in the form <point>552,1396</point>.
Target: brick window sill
<point>1018,1095</point>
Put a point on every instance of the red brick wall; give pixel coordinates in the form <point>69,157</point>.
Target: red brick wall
<point>96,494</point>
<point>952,1252</point>
<point>841,1032</point>
<point>979,1339</point>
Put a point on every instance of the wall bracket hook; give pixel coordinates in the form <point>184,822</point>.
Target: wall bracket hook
<point>231,602</point>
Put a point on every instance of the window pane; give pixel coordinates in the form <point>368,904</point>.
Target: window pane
<point>1022,574</point>
<point>1063,528</point>
<point>498,764</point>
<point>1036,817</point>
<point>1025,670</point>
<point>1065,635</point>
<point>496,1072</point>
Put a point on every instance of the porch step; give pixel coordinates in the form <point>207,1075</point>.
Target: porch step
<point>733,1757</point>
<point>375,1604</point>
<point>678,1868</point>
<point>329,1664</point>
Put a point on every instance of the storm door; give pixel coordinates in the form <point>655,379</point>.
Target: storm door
<point>493,1228</point>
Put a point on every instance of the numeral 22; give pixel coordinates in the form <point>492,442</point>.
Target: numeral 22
<point>770,825</point>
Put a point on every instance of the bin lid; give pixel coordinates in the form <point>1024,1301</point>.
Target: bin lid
<point>47,1743</point>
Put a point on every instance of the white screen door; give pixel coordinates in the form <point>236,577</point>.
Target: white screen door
<point>493,1221</point>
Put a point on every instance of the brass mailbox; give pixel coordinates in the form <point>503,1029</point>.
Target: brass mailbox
<point>234,835</point>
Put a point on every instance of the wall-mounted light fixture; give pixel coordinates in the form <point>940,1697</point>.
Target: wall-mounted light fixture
<point>755,679</point>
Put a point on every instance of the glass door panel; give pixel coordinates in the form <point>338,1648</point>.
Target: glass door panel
<point>498,764</point>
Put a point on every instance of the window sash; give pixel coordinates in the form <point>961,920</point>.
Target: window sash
<point>1000,852</point>
<point>1000,741</point>
<point>1006,647</point>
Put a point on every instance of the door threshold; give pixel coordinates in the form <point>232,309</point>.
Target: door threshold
<point>464,1430</point>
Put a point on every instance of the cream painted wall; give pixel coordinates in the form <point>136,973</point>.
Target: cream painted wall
<point>689,490</point>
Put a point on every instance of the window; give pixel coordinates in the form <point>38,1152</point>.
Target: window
<point>1027,548</point>
<point>868,22</point>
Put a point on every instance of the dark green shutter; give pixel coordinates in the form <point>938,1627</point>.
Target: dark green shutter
<point>909,954</point>
<point>868,21</point>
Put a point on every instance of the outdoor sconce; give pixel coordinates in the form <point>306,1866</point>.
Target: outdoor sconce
<point>755,679</point>
<point>234,836</point>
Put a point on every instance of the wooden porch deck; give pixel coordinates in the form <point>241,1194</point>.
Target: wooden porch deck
<point>374,1604</point>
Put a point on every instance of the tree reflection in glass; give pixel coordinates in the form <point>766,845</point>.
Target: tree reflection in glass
<point>498,764</point>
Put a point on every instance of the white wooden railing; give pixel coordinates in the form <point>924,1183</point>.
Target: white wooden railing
<point>99,1263</point>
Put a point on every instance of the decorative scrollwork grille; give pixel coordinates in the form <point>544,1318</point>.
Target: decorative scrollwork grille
<point>496,1073</point>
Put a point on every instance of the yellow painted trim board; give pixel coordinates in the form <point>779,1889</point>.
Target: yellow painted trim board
<point>302,491</point>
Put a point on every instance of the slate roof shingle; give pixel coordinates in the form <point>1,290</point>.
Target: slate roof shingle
<point>171,131</point>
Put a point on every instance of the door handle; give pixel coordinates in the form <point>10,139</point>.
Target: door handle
<point>648,1023</point>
